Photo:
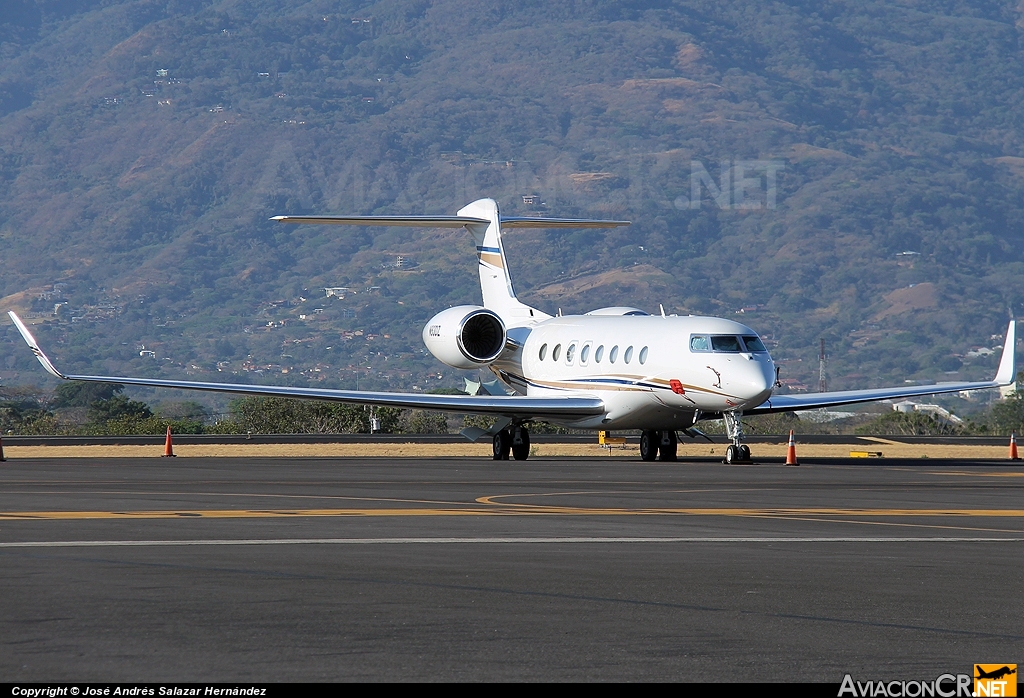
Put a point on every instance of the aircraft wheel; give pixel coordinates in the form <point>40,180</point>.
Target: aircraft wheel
<point>667,447</point>
<point>502,444</point>
<point>520,443</point>
<point>649,441</point>
<point>731,455</point>
<point>744,453</point>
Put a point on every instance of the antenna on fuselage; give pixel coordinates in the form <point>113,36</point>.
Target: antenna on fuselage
<point>662,309</point>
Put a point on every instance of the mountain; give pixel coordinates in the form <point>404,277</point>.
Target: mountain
<point>851,171</point>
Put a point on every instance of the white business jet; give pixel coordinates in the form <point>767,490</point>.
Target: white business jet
<point>612,368</point>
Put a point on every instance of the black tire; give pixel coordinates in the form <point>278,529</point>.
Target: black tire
<point>502,444</point>
<point>520,443</point>
<point>745,453</point>
<point>649,441</point>
<point>731,455</point>
<point>667,446</point>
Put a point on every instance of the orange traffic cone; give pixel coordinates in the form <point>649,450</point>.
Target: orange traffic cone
<point>791,451</point>
<point>1013,447</point>
<point>2,459</point>
<point>168,450</point>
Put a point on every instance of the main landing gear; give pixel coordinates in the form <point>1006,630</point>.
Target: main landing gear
<point>660,445</point>
<point>738,452</point>
<point>514,440</point>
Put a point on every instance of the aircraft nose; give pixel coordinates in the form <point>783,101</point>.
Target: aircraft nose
<point>758,379</point>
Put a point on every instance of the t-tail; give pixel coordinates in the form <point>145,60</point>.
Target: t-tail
<point>496,286</point>
<point>484,221</point>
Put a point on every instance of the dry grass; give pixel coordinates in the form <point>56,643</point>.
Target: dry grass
<point>483,450</point>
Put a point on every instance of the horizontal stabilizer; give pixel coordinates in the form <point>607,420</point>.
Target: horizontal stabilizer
<point>559,223</point>
<point>448,221</point>
<point>400,221</point>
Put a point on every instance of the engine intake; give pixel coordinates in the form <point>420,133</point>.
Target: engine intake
<point>482,336</point>
<point>466,336</point>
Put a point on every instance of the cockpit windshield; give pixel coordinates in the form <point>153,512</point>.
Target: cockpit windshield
<point>754,343</point>
<point>725,343</point>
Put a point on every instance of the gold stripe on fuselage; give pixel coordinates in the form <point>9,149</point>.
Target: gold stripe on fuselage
<point>592,384</point>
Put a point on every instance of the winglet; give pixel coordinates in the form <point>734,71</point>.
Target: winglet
<point>1007,372</point>
<point>34,346</point>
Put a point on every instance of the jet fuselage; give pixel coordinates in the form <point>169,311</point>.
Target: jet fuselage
<point>650,371</point>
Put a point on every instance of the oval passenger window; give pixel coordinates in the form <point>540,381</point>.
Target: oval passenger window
<point>628,355</point>
<point>570,353</point>
<point>555,352</point>
<point>643,355</point>
<point>584,353</point>
<point>614,353</point>
<point>543,351</point>
<point>599,354</point>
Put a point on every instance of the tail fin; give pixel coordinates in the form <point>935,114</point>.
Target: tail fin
<point>483,220</point>
<point>495,282</point>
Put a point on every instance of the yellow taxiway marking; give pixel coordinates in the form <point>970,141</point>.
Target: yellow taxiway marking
<point>512,510</point>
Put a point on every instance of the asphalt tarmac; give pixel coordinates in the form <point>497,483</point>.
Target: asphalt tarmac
<point>253,570</point>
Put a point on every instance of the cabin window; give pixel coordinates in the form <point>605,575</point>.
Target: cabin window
<point>584,353</point>
<point>614,353</point>
<point>556,352</point>
<point>628,356</point>
<point>570,353</point>
<point>543,351</point>
<point>699,342</point>
<point>754,344</point>
<point>599,354</point>
<point>643,355</point>
<point>726,343</point>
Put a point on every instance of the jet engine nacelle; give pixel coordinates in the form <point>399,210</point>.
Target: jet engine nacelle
<point>466,336</point>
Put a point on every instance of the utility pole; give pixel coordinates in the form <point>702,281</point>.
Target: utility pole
<point>821,368</point>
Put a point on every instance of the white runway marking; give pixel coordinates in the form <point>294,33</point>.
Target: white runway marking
<point>503,540</point>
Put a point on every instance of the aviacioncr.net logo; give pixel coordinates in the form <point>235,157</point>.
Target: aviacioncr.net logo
<point>944,686</point>
<point>995,680</point>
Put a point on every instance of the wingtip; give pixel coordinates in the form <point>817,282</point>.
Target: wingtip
<point>1007,372</point>
<point>26,334</point>
<point>22,328</point>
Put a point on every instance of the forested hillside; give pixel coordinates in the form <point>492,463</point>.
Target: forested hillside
<point>145,143</point>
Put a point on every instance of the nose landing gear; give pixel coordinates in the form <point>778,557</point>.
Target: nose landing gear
<point>738,452</point>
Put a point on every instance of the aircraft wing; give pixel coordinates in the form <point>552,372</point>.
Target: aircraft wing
<point>808,401</point>
<point>520,407</point>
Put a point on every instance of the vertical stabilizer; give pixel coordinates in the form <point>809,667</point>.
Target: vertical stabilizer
<point>495,282</point>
